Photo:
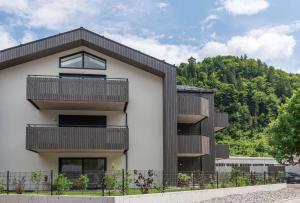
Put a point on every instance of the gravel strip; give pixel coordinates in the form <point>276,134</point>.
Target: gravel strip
<point>257,197</point>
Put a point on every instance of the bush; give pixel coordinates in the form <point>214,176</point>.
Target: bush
<point>83,182</point>
<point>2,187</point>
<point>144,183</point>
<point>19,185</point>
<point>62,184</point>
<point>183,180</point>
<point>36,179</point>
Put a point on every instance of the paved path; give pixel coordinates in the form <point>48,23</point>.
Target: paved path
<point>292,201</point>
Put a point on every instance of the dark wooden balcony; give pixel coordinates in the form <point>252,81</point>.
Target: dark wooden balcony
<point>191,108</point>
<point>52,138</point>
<point>67,93</point>
<point>192,145</point>
<point>222,151</point>
<point>220,121</point>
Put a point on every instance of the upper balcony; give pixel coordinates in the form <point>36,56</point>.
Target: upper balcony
<point>192,145</point>
<point>71,93</point>
<point>191,108</point>
<point>53,138</point>
<point>222,151</point>
<point>220,121</point>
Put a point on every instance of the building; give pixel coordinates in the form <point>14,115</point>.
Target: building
<point>78,101</point>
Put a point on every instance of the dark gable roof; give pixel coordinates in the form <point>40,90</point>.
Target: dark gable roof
<point>81,37</point>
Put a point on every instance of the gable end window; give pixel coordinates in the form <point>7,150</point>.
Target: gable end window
<point>82,60</point>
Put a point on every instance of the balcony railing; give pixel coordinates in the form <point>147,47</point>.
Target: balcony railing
<point>220,121</point>
<point>47,138</point>
<point>191,108</point>
<point>222,151</point>
<point>193,145</point>
<point>54,92</point>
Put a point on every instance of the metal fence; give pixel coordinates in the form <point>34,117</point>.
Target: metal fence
<point>121,182</point>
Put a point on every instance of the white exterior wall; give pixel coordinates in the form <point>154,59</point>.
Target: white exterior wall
<point>145,115</point>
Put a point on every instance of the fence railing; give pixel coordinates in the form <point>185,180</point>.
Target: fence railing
<point>122,182</point>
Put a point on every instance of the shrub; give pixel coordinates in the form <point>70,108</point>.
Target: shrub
<point>36,179</point>
<point>111,180</point>
<point>19,185</point>
<point>144,183</point>
<point>62,184</point>
<point>83,182</point>
<point>2,187</point>
<point>183,180</point>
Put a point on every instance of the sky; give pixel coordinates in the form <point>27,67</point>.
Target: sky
<point>173,30</point>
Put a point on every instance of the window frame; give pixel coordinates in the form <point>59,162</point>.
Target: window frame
<point>82,162</point>
<point>82,53</point>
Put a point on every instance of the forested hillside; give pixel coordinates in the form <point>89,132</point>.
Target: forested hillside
<point>249,90</point>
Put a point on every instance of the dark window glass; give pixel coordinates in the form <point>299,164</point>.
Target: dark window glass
<point>93,62</point>
<point>71,167</point>
<point>93,167</point>
<point>83,76</point>
<point>82,121</point>
<point>82,60</point>
<point>73,61</point>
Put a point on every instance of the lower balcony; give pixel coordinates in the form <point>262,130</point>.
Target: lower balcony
<point>52,138</point>
<point>222,151</point>
<point>220,121</point>
<point>192,145</point>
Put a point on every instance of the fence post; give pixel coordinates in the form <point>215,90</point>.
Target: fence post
<point>251,181</point>
<point>7,182</point>
<point>236,179</point>
<point>217,179</point>
<point>51,182</point>
<point>264,177</point>
<point>163,181</point>
<point>123,181</point>
<point>103,184</point>
<point>193,179</point>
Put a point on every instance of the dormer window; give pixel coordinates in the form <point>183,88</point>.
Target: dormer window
<point>82,60</point>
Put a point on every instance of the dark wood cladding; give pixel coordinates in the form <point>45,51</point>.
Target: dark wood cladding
<point>192,104</point>
<point>220,121</point>
<point>76,139</point>
<point>222,151</point>
<point>193,144</point>
<point>83,37</point>
<point>76,89</point>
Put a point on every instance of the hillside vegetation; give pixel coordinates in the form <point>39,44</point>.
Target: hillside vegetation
<point>249,90</point>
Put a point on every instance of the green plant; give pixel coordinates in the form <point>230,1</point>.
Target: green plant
<point>183,180</point>
<point>19,185</point>
<point>127,181</point>
<point>84,181</point>
<point>144,182</point>
<point>62,184</point>
<point>2,187</point>
<point>36,177</point>
<point>111,180</point>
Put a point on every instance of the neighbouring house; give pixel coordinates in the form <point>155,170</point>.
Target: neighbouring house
<point>79,102</point>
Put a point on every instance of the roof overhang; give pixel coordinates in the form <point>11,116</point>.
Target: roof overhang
<point>81,37</point>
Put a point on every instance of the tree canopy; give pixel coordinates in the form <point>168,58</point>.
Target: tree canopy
<point>249,90</point>
<point>285,131</point>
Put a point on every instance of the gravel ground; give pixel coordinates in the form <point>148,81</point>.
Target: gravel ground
<point>257,197</point>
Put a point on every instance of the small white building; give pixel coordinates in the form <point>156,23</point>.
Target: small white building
<point>256,164</point>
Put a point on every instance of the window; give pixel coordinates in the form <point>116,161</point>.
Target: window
<point>82,60</point>
<point>82,76</point>
<point>82,121</point>
<point>93,167</point>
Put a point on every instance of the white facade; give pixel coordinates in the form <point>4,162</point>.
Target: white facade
<point>144,110</point>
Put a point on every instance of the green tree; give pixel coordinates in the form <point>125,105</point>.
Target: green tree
<point>285,131</point>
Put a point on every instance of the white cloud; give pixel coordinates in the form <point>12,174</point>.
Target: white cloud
<point>245,7</point>
<point>6,40</point>
<point>28,37</point>
<point>271,44</point>
<point>162,5</point>
<point>208,22</point>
